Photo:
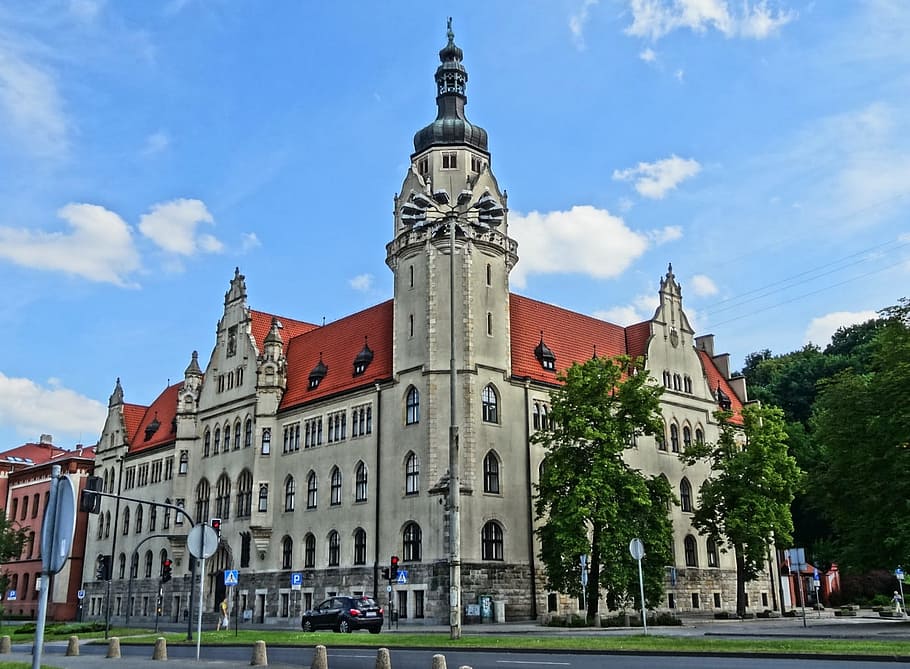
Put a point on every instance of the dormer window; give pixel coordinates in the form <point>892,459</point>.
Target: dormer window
<point>723,399</point>
<point>318,373</point>
<point>363,359</point>
<point>152,428</point>
<point>545,356</point>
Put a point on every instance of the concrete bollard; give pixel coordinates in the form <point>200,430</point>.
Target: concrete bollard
<point>160,652</point>
<point>320,661</point>
<point>439,662</point>
<point>5,646</point>
<point>72,646</point>
<point>260,657</point>
<point>382,659</point>
<point>464,666</point>
<point>113,647</point>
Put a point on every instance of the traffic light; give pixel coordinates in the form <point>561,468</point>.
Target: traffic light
<point>88,500</point>
<point>166,565</point>
<point>216,525</point>
<point>385,573</point>
<point>103,568</point>
<point>393,570</point>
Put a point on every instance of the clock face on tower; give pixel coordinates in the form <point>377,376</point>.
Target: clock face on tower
<point>674,338</point>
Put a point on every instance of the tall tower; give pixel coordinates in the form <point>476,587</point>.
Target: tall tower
<point>451,154</point>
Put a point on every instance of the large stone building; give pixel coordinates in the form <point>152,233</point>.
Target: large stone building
<point>324,449</point>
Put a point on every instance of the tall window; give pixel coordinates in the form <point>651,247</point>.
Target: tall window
<point>491,541</point>
<point>490,404</point>
<point>309,551</point>
<point>203,492</point>
<point>139,519</point>
<point>266,441</point>
<point>360,546</point>
<point>263,497</point>
<point>148,564</point>
<point>223,497</point>
<point>412,407</point>
<point>166,523</point>
<point>491,473</point>
<point>685,495</point>
<point>206,444</point>
<point>248,433</point>
<point>287,552</point>
<point>244,494</point>
<point>227,437</point>
<point>412,542</point>
<point>411,474</point>
<point>126,520</point>
<point>311,490</point>
<point>691,551</point>
<point>153,518</point>
<point>246,540</point>
<point>674,438</point>
<point>237,435</point>
<point>216,442</point>
<point>360,483</point>
<point>335,498</point>
<point>535,420</point>
<point>290,493</point>
<point>687,437</point>
<point>699,436</point>
<point>713,560</point>
<point>334,549</point>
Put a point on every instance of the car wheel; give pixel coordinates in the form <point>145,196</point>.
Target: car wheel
<point>375,630</point>
<point>344,626</point>
<point>307,625</point>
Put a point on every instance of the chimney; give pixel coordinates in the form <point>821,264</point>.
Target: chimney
<point>46,440</point>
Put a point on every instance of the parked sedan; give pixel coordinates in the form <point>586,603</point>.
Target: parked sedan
<point>344,614</point>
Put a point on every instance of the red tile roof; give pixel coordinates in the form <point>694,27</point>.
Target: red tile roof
<point>132,417</point>
<point>262,323</point>
<point>715,378</point>
<point>34,453</point>
<point>571,336</point>
<point>339,343</point>
<point>637,337</point>
<point>163,410</point>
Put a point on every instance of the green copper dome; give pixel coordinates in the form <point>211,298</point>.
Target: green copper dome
<point>451,127</point>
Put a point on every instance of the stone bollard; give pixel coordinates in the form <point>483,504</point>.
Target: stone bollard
<point>464,666</point>
<point>320,661</point>
<point>382,659</point>
<point>260,657</point>
<point>5,646</point>
<point>72,647</point>
<point>439,662</point>
<point>113,647</point>
<point>160,652</point>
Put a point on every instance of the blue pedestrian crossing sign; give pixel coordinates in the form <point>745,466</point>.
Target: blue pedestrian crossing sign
<point>402,577</point>
<point>296,580</point>
<point>231,577</point>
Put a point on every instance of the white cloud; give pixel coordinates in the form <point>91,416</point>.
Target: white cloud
<point>680,75</point>
<point>653,180</point>
<point>755,20</point>
<point>32,409</point>
<point>669,233</point>
<point>703,285</point>
<point>642,308</point>
<point>86,10</point>
<point>156,143</point>
<point>820,329</point>
<point>361,282</point>
<point>249,241</point>
<point>578,20</point>
<point>172,226</point>
<point>648,55</point>
<point>99,247</point>
<point>30,107</point>
<point>584,239</point>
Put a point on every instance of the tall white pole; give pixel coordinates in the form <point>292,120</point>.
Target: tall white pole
<point>641,585</point>
<point>201,596</point>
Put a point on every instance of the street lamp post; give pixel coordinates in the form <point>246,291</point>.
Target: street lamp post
<point>436,212</point>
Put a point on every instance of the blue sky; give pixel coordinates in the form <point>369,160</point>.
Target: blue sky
<point>147,148</point>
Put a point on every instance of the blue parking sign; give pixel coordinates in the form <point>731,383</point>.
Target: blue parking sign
<point>296,578</point>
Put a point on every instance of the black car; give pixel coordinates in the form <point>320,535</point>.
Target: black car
<point>344,614</point>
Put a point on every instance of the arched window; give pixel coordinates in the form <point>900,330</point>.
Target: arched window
<point>244,494</point>
<point>227,437</point>
<point>311,490</point>
<point>491,541</point>
<point>139,519</point>
<point>411,474</point>
<point>107,524</point>
<point>713,560</point>
<point>699,436</point>
<point>153,518</point>
<point>544,418</point>
<point>360,546</point>
<point>677,382</point>
<point>184,463</point>
<point>148,564</point>
<point>236,435</point>
<point>412,407</point>
<point>100,533</point>
<point>489,323</point>
<point>691,551</point>
<point>166,523</point>
<point>121,569</point>
<point>535,416</point>
<point>489,275</point>
<point>203,492</point>
<point>206,445</point>
<point>335,496</point>
<point>248,433</point>
<point>263,497</point>
<point>162,556</point>
<point>360,483</point>
<point>223,497</point>
<point>266,441</point>
<point>334,548</point>
<point>413,540</point>
<point>687,384</point>
<point>134,566</point>
<point>674,438</point>
<point>661,439</point>
<point>126,520</point>
<point>490,404</point>
<point>216,444</point>
<point>491,473</point>
<point>667,377</point>
<point>290,493</point>
<point>287,552</point>
<point>685,495</point>
<point>309,551</point>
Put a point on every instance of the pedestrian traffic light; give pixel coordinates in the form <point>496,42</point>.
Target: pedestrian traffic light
<point>166,565</point>
<point>103,568</point>
<point>89,500</point>
<point>385,573</point>
<point>216,525</point>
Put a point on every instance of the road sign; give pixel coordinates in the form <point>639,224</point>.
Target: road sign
<point>388,588</point>
<point>402,577</point>
<point>637,549</point>
<point>11,597</point>
<point>899,574</point>
<point>230,576</point>
<point>202,541</point>
<point>797,559</point>
<point>296,580</point>
<point>58,526</point>
<point>81,594</point>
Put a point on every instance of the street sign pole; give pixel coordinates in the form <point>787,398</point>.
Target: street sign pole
<point>899,574</point>
<point>637,550</point>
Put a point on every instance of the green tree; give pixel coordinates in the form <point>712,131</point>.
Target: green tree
<point>862,427</point>
<point>745,503</point>
<point>590,500</point>
<point>12,539</point>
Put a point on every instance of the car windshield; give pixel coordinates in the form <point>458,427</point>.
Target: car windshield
<point>365,602</point>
